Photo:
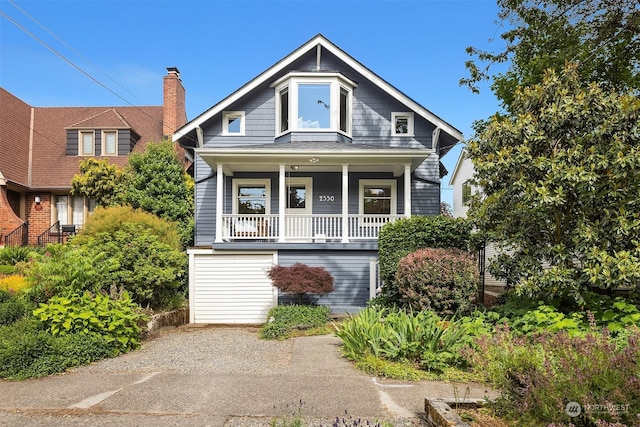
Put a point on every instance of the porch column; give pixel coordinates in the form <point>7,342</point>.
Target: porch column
<point>407,190</point>
<point>281,203</point>
<point>219,202</point>
<point>345,203</point>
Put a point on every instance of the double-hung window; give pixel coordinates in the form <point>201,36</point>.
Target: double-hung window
<point>378,197</point>
<point>313,101</point>
<point>109,143</point>
<point>251,196</point>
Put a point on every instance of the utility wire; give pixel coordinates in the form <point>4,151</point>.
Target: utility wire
<point>69,47</point>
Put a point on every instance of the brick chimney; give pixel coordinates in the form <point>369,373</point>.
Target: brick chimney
<point>175,113</point>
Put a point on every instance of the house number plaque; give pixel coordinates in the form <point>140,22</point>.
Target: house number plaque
<point>327,198</point>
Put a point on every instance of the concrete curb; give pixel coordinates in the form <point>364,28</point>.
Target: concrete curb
<point>440,414</point>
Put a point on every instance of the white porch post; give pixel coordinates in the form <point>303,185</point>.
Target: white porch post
<point>345,203</point>
<point>407,190</point>
<point>219,202</point>
<point>281,203</point>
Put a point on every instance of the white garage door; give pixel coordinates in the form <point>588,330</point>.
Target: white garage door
<point>231,288</point>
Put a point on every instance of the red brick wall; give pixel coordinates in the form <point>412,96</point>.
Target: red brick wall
<point>39,216</point>
<point>174,108</point>
<point>9,221</point>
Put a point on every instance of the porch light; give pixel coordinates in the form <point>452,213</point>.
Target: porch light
<point>37,200</point>
<point>314,160</point>
<point>295,167</point>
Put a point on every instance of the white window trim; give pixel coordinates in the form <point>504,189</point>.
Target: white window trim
<point>336,82</point>
<point>81,134</point>
<point>248,181</point>
<point>226,115</point>
<point>103,148</point>
<point>410,128</point>
<point>394,193</point>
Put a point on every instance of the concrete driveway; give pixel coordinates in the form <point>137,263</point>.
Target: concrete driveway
<point>207,376</point>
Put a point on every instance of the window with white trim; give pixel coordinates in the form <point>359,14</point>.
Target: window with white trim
<point>110,143</point>
<point>251,196</point>
<point>233,123</point>
<point>466,193</point>
<point>402,124</point>
<point>378,197</point>
<point>86,143</point>
<point>309,101</point>
<point>72,210</point>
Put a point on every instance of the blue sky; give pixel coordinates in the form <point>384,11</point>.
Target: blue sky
<point>124,46</point>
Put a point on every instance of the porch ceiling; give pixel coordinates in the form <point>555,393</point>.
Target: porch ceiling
<point>314,158</point>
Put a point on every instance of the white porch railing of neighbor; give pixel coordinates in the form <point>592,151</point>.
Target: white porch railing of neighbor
<point>308,228</point>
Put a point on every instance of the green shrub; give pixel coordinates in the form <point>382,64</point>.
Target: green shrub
<point>68,268</point>
<point>154,273</point>
<point>12,307</point>
<point>27,351</point>
<point>443,280</point>
<point>116,321</point>
<point>422,338</point>
<point>301,279</point>
<point>7,269</point>
<point>399,238</point>
<point>11,255</point>
<point>284,319</point>
<point>539,375</point>
<point>113,219</point>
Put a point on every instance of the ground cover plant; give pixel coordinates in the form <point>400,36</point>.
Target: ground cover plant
<point>540,375</point>
<point>285,321</point>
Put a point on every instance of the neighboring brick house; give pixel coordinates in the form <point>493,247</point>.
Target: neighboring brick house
<point>41,149</point>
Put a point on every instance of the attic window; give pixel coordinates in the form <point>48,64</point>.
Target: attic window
<point>312,101</point>
<point>402,124</point>
<point>110,143</point>
<point>233,123</point>
<point>86,143</point>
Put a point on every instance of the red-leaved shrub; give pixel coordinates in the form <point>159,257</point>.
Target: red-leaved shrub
<point>442,280</point>
<point>301,279</point>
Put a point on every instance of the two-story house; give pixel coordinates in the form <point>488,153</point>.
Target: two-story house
<point>305,163</point>
<point>41,149</point>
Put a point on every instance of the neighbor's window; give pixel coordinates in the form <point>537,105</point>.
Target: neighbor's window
<point>466,192</point>
<point>402,124</point>
<point>314,101</point>
<point>233,123</point>
<point>110,143</point>
<point>87,143</point>
<point>378,197</point>
<point>251,196</point>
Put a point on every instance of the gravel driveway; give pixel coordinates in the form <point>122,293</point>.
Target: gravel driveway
<point>222,377</point>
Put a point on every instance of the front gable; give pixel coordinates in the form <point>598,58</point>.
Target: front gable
<point>377,113</point>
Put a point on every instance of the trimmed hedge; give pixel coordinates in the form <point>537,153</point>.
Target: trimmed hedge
<point>399,238</point>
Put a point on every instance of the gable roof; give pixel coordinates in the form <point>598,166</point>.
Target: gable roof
<point>459,165</point>
<point>319,41</point>
<point>108,118</point>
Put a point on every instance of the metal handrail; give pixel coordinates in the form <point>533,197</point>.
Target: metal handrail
<point>50,235</point>
<point>19,236</point>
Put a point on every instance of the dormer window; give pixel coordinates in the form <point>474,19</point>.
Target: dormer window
<point>312,101</point>
<point>109,143</point>
<point>87,143</point>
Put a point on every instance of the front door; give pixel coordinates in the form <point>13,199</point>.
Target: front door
<point>298,210</point>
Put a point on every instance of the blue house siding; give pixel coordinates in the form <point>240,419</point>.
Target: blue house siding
<point>205,204</point>
<point>350,270</point>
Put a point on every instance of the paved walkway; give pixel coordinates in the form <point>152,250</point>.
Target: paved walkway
<point>220,377</point>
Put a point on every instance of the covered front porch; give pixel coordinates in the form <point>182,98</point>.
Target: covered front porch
<point>310,192</point>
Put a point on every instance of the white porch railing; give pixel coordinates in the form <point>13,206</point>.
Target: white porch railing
<point>307,228</point>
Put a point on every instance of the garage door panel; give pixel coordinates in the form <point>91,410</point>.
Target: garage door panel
<point>232,288</point>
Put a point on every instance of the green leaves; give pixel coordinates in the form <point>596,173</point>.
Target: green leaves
<point>82,313</point>
<point>560,178</point>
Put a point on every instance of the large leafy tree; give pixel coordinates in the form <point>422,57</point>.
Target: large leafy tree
<point>602,36</point>
<point>157,183</point>
<point>560,177</point>
<point>153,181</point>
<point>99,180</point>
